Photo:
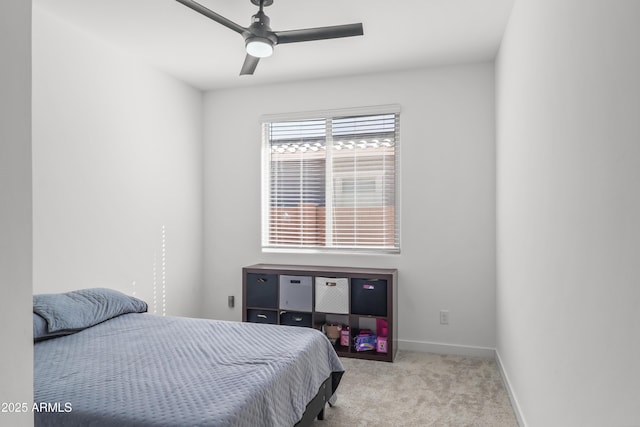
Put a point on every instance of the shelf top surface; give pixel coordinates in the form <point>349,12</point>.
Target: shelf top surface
<point>322,269</point>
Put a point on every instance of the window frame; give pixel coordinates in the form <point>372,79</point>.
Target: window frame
<point>266,119</point>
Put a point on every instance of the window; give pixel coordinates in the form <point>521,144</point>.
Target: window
<point>329,181</point>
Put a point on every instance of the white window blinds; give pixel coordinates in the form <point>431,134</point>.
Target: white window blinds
<point>330,183</point>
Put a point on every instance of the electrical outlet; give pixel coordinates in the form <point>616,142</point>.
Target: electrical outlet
<point>231,301</point>
<point>444,317</point>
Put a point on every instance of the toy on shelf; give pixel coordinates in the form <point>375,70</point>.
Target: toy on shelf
<point>332,331</point>
<point>344,337</point>
<point>365,341</point>
<point>383,331</point>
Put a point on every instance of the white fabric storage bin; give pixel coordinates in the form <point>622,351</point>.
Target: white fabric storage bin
<point>332,295</point>
<point>296,293</point>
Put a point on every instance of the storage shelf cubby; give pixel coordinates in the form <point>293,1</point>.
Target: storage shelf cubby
<point>315,296</point>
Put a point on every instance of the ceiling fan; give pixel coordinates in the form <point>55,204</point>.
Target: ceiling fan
<point>260,39</point>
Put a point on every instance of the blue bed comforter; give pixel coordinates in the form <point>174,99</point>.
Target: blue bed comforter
<point>145,370</point>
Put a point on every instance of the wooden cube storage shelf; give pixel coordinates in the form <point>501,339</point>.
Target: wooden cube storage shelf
<point>372,298</point>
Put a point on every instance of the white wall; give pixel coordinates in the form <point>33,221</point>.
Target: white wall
<point>117,168</point>
<point>568,303</point>
<point>16,356</point>
<point>448,195</point>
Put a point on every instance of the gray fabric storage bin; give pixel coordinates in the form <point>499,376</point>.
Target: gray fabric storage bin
<point>296,293</point>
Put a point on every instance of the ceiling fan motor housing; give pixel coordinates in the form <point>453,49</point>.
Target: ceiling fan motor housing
<point>260,27</point>
<point>265,3</point>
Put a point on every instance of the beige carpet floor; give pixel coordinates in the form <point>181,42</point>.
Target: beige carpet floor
<point>421,389</point>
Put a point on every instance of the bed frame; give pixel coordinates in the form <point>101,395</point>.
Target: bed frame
<point>315,408</point>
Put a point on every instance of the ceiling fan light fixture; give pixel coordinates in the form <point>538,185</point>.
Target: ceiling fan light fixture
<point>259,47</point>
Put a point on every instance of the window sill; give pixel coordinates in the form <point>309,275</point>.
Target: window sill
<point>331,251</point>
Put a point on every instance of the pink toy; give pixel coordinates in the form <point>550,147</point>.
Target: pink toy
<point>381,345</point>
<point>344,337</point>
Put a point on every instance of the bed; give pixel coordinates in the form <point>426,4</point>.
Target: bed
<point>101,360</point>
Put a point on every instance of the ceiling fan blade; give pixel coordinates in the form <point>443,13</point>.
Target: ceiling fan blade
<point>321,33</point>
<point>212,15</point>
<point>250,64</point>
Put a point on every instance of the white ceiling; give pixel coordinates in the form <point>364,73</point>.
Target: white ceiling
<point>398,35</point>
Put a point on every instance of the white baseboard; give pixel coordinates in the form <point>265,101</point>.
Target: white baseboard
<point>441,348</point>
<point>512,396</point>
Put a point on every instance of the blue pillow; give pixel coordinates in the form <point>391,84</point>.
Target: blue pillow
<point>41,332</point>
<point>77,310</point>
